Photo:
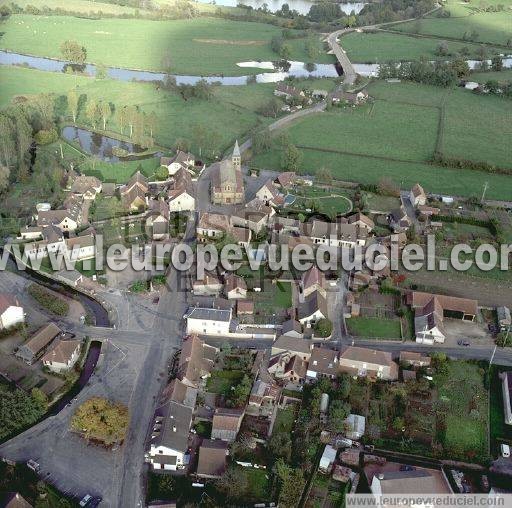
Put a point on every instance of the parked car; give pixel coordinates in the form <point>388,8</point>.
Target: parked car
<point>369,448</point>
<point>32,464</point>
<point>85,500</point>
<point>505,450</point>
<point>406,467</point>
<point>462,342</point>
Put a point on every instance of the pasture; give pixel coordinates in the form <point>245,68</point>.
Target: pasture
<point>199,46</point>
<point>396,138</point>
<point>491,27</point>
<point>378,47</point>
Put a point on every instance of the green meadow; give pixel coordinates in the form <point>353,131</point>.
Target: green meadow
<point>199,46</point>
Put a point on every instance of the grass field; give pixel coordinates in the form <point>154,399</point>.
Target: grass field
<point>221,380</point>
<point>466,402</point>
<point>374,327</point>
<point>397,139</point>
<point>482,77</point>
<point>492,27</point>
<point>199,46</point>
<point>378,47</point>
<point>499,430</point>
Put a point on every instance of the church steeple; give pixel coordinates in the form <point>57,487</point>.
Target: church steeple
<point>236,157</point>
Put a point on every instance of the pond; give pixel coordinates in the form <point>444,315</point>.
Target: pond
<point>301,6</point>
<point>281,70</point>
<point>101,146</point>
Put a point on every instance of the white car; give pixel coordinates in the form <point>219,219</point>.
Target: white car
<point>85,500</point>
<point>505,450</point>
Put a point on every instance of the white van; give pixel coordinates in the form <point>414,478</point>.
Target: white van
<point>505,450</point>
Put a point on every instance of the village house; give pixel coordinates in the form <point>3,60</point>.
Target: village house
<point>63,219</point>
<point>322,363</point>
<point>212,226</point>
<point>196,361</point>
<point>11,312</point>
<point>270,194</point>
<point>292,346</point>
<point>292,328</point>
<point>182,160</point>
<point>30,233</point>
<point>362,220</point>
<point>180,392</point>
<point>263,396</point>
<point>133,194</point>
<point>336,234</point>
<point>255,217</point>
<point>398,220</point>
<point>169,436</point>
<point>430,310</point>
<point>227,180</point>
<point>416,481</point>
<point>209,321</point>
<point>210,285</point>
<point>241,236</point>
<point>285,179</point>
<point>38,344</point>
<point>86,186</point>
<point>350,98</point>
<point>236,287</point>
<point>287,91</point>
<point>417,195</point>
<point>212,459</point>
<point>414,359</point>
<point>62,355</point>
<point>312,309</point>
<point>52,242</point>
<point>244,307</point>
<point>226,423</point>
<point>79,248</point>
<point>290,368</point>
<point>181,193</point>
<point>363,362</point>
<point>285,225</point>
<point>157,219</point>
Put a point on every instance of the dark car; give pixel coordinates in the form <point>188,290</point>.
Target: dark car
<point>405,467</point>
<point>462,342</point>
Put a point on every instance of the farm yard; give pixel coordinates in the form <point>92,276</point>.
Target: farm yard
<point>396,138</point>
<point>199,46</point>
<point>375,328</point>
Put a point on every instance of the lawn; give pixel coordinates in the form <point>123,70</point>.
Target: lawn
<point>274,298</point>
<point>284,420</point>
<point>221,381</point>
<point>106,208</point>
<point>465,405</point>
<point>379,203</point>
<point>257,484</point>
<point>380,328</point>
<point>378,47</point>
<point>483,77</point>
<point>499,430</point>
<point>199,46</point>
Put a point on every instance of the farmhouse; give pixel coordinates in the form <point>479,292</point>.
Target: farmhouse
<point>351,98</point>
<point>62,355</point>
<point>86,186</point>
<point>31,350</point>
<point>312,309</point>
<point>133,194</point>
<point>417,195</point>
<point>226,424</point>
<point>11,312</point>
<point>182,160</point>
<point>363,362</point>
<point>227,181</point>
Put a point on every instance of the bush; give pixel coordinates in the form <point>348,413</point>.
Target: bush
<point>323,328</point>
<point>48,300</point>
<point>45,137</point>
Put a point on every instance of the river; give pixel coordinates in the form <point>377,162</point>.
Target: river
<point>294,69</point>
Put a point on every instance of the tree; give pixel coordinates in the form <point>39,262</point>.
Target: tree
<point>461,67</point>
<point>270,108</point>
<point>73,102</point>
<point>233,483</point>
<point>497,63</point>
<point>286,52</point>
<point>398,424</point>
<point>73,52</point>
<point>492,86</point>
<point>238,395</point>
<point>292,158</point>
<point>442,49</point>
<point>344,386</point>
<point>276,43</point>
<point>338,412</point>
<point>324,175</point>
<point>105,110</point>
<point>93,112</point>
<point>323,328</point>
<point>102,420</point>
<point>261,141</point>
<point>4,177</point>
<point>182,144</point>
<point>291,484</point>
<point>388,188</point>
<point>280,446</point>
<point>151,123</point>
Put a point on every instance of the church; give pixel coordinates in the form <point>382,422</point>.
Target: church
<point>227,180</point>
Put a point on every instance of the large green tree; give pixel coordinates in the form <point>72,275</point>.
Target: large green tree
<point>73,52</point>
